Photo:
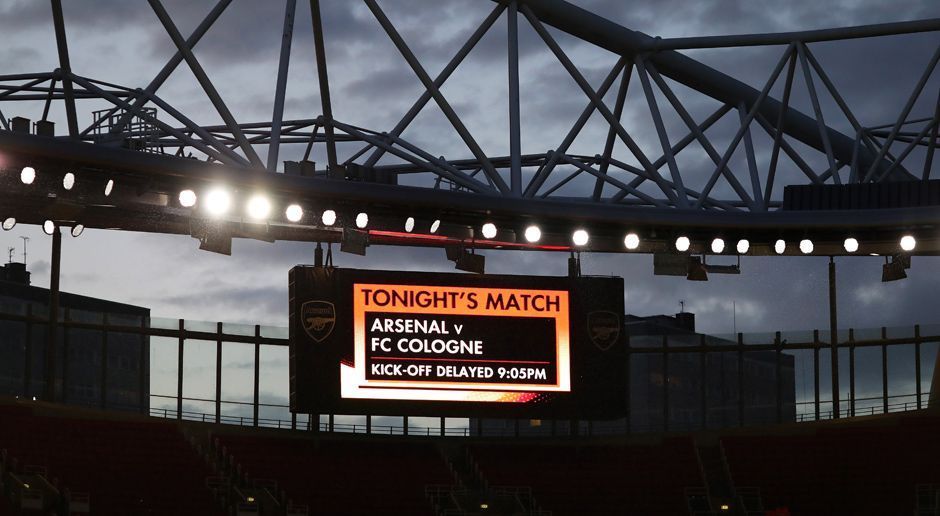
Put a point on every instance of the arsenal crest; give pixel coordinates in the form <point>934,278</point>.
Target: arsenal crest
<point>318,318</point>
<point>603,328</point>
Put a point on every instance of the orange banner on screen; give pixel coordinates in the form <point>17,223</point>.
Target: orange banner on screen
<point>457,343</point>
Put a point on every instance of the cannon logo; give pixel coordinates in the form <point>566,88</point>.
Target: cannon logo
<point>604,329</point>
<point>319,318</point>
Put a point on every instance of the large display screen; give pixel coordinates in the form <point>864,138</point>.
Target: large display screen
<point>382,342</point>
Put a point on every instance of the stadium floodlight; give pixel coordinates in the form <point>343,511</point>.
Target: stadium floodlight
<point>908,243</point>
<point>683,243</point>
<point>533,234</point>
<point>218,202</point>
<point>328,218</point>
<point>362,220</point>
<point>489,230</point>
<point>780,246</point>
<point>48,227</point>
<point>850,245</point>
<point>435,226</point>
<point>68,181</point>
<point>743,246</point>
<point>77,230</point>
<point>580,237</point>
<point>894,270</point>
<point>187,198</point>
<point>294,213</point>
<point>108,187</point>
<point>409,224</point>
<point>258,207</point>
<point>631,241</point>
<point>806,246</point>
<point>9,223</point>
<point>718,245</point>
<point>28,175</point>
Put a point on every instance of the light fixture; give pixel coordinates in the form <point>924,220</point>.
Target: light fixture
<point>328,218</point>
<point>77,230</point>
<point>908,243</point>
<point>294,213</point>
<point>580,237</point>
<point>806,246</point>
<point>533,234</point>
<point>435,226</point>
<point>9,223</point>
<point>894,270</point>
<point>108,187</point>
<point>362,220</point>
<point>68,181</point>
<point>780,246</point>
<point>218,202</point>
<point>850,245</point>
<point>743,246</point>
<point>631,241</point>
<point>682,244</point>
<point>354,241</point>
<point>409,224</point>
<point>187,198</point>
<point>489,230</point>
<point>28,175</point>
<point>48,227</point>
<point>258,207</point>
<point>718,245</point>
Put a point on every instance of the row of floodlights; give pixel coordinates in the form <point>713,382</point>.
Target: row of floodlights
<point>48,227</point>
<point>28,177</point>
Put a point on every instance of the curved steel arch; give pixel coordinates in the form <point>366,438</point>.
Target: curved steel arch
<point>635,190</point>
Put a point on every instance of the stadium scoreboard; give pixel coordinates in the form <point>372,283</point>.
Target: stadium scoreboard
<point>384,342</point>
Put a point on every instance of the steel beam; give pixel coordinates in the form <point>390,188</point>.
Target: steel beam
<point>65,67</point>
<point>280,88</point>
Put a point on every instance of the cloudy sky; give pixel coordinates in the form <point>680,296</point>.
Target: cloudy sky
<point>123,42</point>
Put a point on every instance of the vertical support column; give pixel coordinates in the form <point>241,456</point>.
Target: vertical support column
<point>368,423</point>
<point>443,425</point>
<point>404,425</point>
<point>218,372</point>
<point>627,382</point>
<point>293,421</point>
<point>917,389</point>
<point>833,337</point>
<point>66,319</point>
<point>515,146</point>
<point>740,379</point>
<point>104,363</point>
<point>257,380</point>
<point>49,392</point>
<point>179,371</point>
<point>144,367</point>
<point>884,369</point>
<point>816,372</point>
<point>281,86</point>
<point>703,374</point>
<point>324,84</point>
<point>28,357</point>
<point>665,384</point>
<point>778,369</point>
<point>852,372</point>
<point>65,68</point>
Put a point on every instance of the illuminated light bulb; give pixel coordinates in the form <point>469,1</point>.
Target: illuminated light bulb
<point>631,241</point>
<point>48,227</point>
<point>533,234</point>
<point>77,230</point>
<point>718,245</point>
<point>258,207</point>
<point>743,246</point>
<point>683,243</point>
<point>28,175</point>
<point>780,246</point>
<point>68,181</point>
<point>362,220</point>
<point>489,230</point>
<point>908,243</point>
<point>850,245</point>
<point>9,223</point>
<point>187,198</point>
<point>435,226</point>
<point>580,237</point>
<point>409,224</point>
<point>294,213</point>
<point>328,218</point>
<point>218,202</point>
<point>108,187</point>
<point>806,246</point>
